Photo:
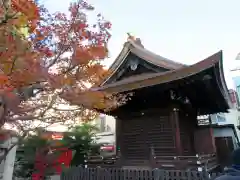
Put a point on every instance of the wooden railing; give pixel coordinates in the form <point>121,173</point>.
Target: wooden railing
<point>207,162</point>
<point>79,173</point>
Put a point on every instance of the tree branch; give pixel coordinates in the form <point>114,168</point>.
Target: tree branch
<point>22,118</point>
<point>57,109</point>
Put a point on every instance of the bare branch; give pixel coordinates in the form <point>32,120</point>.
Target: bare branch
<point>76,109</point>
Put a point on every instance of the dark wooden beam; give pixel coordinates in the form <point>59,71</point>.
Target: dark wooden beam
<point>176,127</point>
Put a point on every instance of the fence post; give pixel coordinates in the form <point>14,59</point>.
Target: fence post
<point>205,174</point>
<point>63,175</point>
<point>188,175</point>
<point>158,174</point>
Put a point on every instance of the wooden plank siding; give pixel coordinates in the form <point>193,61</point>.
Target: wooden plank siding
<point>155,134</point>
<point>139,135</point>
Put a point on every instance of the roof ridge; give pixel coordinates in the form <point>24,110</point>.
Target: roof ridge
<point>156,57</point>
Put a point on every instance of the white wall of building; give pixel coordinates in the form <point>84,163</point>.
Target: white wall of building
<point>109,122</point>
<point>227,118</point>
<point>7,166</point>
<point>233,118</point>
<point>108,134</point>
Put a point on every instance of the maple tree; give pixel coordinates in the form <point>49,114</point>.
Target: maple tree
<point>48,60</point>
<point>47,63</point>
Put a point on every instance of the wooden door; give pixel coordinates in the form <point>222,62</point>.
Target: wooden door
<point>224,146</point>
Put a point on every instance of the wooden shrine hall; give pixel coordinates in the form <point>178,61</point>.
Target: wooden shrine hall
<point>158,127</point>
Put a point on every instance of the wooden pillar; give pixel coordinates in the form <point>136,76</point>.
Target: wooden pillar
<point>175,119</point>
<point>118,130</point>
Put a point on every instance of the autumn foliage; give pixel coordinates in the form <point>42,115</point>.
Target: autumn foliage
<point>54,57</point>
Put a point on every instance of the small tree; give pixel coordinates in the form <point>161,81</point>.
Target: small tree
<point>25,158</point>
<point>79,140</point>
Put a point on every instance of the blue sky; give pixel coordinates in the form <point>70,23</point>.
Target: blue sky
<point>185,31</point>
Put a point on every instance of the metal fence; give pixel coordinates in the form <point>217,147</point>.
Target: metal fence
<point>79,173</point>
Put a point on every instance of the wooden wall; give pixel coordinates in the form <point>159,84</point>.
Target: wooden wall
<point>137,135</point>
<point>204,141</point>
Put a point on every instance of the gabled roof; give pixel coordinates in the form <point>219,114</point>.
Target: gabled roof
<point>135,47</point>
<point>211,64</point>
<point>150,79</point>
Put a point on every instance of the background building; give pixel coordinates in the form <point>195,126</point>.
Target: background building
<point>105,123</point>
<point>236,81</point>
<point>7,165</point>
<point>233,116</point>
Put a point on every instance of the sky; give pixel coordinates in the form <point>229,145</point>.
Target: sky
<point>185,31</point>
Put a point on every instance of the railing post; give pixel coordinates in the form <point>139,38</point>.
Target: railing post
<point>152,157</point>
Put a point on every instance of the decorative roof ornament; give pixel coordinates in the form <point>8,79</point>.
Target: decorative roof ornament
<point>133,39</point>
<point>130,37</point>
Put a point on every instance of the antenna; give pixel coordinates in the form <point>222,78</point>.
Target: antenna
<point>236,69</point>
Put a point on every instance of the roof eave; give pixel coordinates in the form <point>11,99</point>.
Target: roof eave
<point>118,62</point>
<point>160,78</point>
<point>224,91</point>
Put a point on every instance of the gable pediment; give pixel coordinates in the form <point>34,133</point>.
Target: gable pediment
<point>133,66</point>
<point>134,60</point>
